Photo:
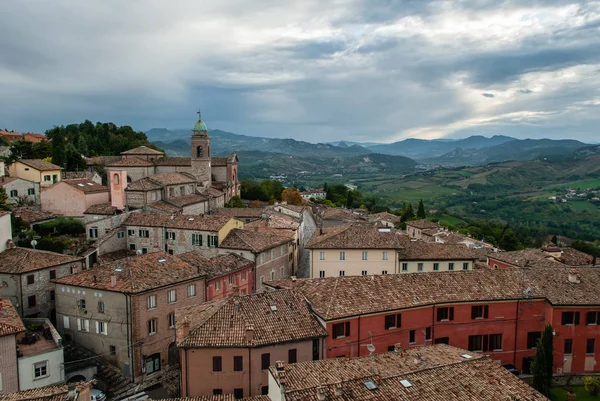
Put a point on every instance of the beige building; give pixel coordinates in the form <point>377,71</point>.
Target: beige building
<point>226,346</point>
<point>5,229</point>
<point>419,256</point>
<point>417,228</point>
<point>353,250</point>
<point>73,197</point>
<point>125,310</point>
<point>36,170</point>
<point>177,234</point>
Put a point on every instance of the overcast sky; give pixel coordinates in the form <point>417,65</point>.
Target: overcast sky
<point>315,70</point>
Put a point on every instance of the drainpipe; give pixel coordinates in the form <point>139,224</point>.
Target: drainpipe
<point>432,325</point>
<point>130,349</point>
<point>516,333</point>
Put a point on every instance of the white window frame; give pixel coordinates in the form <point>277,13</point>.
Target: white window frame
<point>261,258</point>
<point>171,317</point>
<point>83,325</point>
<point>151,302</point>
<point>66,322</point>
<point>282,250</point>
<point>101,327</point>
<point>321,273</point>
<point>151,327</point>
<point>365,255</point>
<point>282,272</point>
<point>121,234</point>
<point>342,255</point>
<point>172,296</point>
<point>321,255</point>
<point>342,273</point>
<point>197,239</point>
<point>218,285</point>
<point>40,365</point>
<point>272,254</point>
<point>384,255</point>
<point>191,291</point>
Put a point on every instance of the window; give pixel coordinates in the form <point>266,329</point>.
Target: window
<point>171,191</point>
<point>191,290</point>
<point>384,255</point>
<point>52,295</point>
<point>364,272</point>
<point>393,321</point>
<point>321,273</point>
<point>570,318</point>
<point>132,247</point>
<point>404,267</point>
<point>14,193</point>
<point>476,343</point>
<point>213,241</point>
<point>420,267</point>
<point>83,325</point>
<point>272,254</point>
<point>341,330</point>
<point>31,301</point>
<point>282,250</point>
<point>238,393</point>
<point>282,272</point>
<point>428,334</point>
<point>217,391</point>
<point>321,255</point>
<point>590,346</point>
<point>47,178</point>
<point>592,318</point>
<point>436,267</point>
<point>342,255</point>
<point>384,272</point>
<point>197,239</point>
<point>30,191</point>
<point>54,177</point>
<point>182,190</point>
<point>121,234</point>
<point>30,279</point>
<point>172,296</point>
<point>171,317</point>
<point>442,340</point>
<point>171,235</point>
<point>170,251</point>
<point>272,275</point>
<point>81,303</point>
<point>568,346</point>
<point>264,390</point>
<point>444,314</point>
<point>66,322</point>
<point>532,338</point>
<point>153,363</point>
<point>218,284</point>
<point>40,369</point>
<point>93,232</point>
<point>144,233</point>
<point>217,364</point>
<point>262,258</point>
<point>265,361</point>
<point>342,273</point>
<point>411,337</point>
<point>292,355</point>
<point>100,307</point>
<point>152,302</point>
<point>102,328</point>
<point>238,363</point>
<point>112,350</point>
<point>466,266</point>
<point>262,280</point>
<point>144,250</point>
<point>152,326</point>
<point>130,233</point>
<point>450,266</point>
<point>495,342</point>
<point>364,255</point>
<point>243,276</point>
<point>52,274</point>
<point>479,311</point>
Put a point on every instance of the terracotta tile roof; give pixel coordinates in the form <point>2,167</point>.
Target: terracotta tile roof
<point>241,211</point>
<point>4,212</point>
<point>201,223</point>
<point>265,226</point>
<point>40,164</point>
<point>30,216</point>
<point>216,266</point>
<point>573,257</point>
<point>131,162</point>
<point>422,224</point>
<point>144,184</point>
<point>49,393</point>
<point>276,316</point>
<point>252,240</point>
<point>173,178</point>
<point>174,161</point>
<point>224,397</point>
<point>101,160</point>
<point>102,208</point>
<point>142,150</point>
<point>86,186</point>
<point>215,193</point>
<point>23,260</point>
<point>5,180</point>
<point>338,214</point>
<point>354,237</point>
<point>186,200</point>
<point>116,255</point>
<point>133,275</point>
<point>164,207</point>
<point>421,250</point>
<point>10,321</point>
<point>218,161</point>
<point>293,208</point>
<point>385,216</point>
<point>526,257</point>
<point>341,297</point>
<point>435,373</point>
<point>31,137</point>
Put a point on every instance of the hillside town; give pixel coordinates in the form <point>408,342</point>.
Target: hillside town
<point>166,292</point>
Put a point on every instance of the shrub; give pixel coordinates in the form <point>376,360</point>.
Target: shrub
<point>591,384</point>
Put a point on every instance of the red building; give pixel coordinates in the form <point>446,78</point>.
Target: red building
<point>500,313</point>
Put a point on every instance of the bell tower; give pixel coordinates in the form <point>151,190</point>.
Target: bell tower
<point>201,154</point>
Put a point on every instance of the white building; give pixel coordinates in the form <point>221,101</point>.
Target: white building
<point>5,229</point>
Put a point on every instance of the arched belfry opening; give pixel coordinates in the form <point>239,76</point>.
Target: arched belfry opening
<point>199,151</point>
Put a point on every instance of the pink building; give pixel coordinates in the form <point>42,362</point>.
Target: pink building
<point>73,197</point>
<point>10,326</point>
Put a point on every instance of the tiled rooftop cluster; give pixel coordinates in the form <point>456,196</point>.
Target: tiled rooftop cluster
<point>224,397</point>
<point>417,250</point>
<point>252,240</point>
<point>49,393</point>
<point>217,266</point>
<point>540,258</point>
<point>422,224</point>
<point>22,260</point>
<point>434,373</point>
<point>272,317</point>
<point>40,164</point>
<point>30,216</point>
<point>204,223</point>
<point>355,236</point>
<point>86,186</point>
<point>101,209</point>
<point>10,321</point>
<point>339,297</point>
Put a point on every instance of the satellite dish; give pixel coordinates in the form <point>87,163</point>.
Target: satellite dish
<point>33,243</point>
<point>138,252</point>
<point>371,348</point>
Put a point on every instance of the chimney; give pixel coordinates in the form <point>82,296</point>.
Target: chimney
<point>185,327</point>
<point>236,306</point>
<point>398,347</point>
<point>338,389</point>
<point>281,377</point>
<point>249,333</point>
<point>235,291</point>
<point>113,280</point>
<point>322,393</point>
<point>293,278</point>
<point>573,277</point>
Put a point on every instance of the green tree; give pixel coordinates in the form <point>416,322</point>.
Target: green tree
<point>543,362</point>
<point>59,154</point>
<point>4,200</point>
<point>509,241</point>
<point>82,146</point>
<point>292,196</point>
<point>349,200</point>
<point>554,240</point>
<point>234,201</point>
<point>421,210</point>
<point>73,159</point>
<point>409,214</point>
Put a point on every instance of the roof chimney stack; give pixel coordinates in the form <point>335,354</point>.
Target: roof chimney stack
<point>338,389</point>
<point>249,333</point>
<point>573,277</point>
<point>185,327</point>
<point>113,280</point>
<point>235,291</point>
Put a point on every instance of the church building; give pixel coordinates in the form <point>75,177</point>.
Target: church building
<point>146,178</point>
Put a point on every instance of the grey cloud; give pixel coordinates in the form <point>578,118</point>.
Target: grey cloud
<point>525,91</point>
<point>487,94</point>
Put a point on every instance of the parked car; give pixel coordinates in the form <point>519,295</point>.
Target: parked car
<point>511,368</point>
<point>98,395</point>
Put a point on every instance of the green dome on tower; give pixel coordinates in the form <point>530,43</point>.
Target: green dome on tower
<point>200,126</point>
